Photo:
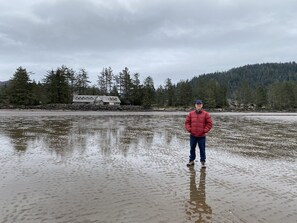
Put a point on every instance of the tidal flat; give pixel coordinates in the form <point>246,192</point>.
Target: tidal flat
<point>63,166</point>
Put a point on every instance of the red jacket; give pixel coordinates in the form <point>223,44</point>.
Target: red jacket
<point>198,123</point>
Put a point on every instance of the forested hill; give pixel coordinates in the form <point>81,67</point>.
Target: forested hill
<point>252,75</point>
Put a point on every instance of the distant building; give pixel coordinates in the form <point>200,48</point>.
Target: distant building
<point>96,99</point>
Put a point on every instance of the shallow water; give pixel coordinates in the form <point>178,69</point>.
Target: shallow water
<point>130,167</point>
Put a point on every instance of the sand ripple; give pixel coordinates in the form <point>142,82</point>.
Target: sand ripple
<point>131,168</point>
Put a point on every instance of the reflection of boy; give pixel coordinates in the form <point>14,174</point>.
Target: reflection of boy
<point>198,210</point>
<point>198,123</point>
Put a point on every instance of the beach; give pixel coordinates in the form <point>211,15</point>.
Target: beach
<point>74,166</point>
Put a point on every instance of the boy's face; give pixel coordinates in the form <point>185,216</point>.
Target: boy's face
<point>198,106</point>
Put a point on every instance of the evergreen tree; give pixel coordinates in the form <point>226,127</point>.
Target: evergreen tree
<point>283,95</point>
<point>136,92</point>
<point>82,81</point>
<point>220,96</point>
<point>114,91</point>
<point>38,93</point>
<point>183,93</point>
<point>125,86</point>
<point>160,96</point>
<point>244,95</point>
<point>4,94</point>
<point>93,90</point>
<point>105,81</point>
<point>260,96</point>
<point>148,92</point>
<point>19,89</point>
<point>210,99</point>
<point>56,83</point>
<point>169,89</point>
<point>71,77</point>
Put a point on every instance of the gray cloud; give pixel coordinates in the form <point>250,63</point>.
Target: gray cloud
<point>163,39</point>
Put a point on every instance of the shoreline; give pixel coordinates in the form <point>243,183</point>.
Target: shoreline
<point>131,108</point>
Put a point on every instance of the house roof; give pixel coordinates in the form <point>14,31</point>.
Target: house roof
<point>105,98</point>
<point>84,98</point>
<point>93,98</point>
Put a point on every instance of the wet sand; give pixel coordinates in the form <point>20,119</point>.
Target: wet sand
<point>130,167</point>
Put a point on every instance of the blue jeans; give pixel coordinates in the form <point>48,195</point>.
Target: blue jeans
<point>201,144</point>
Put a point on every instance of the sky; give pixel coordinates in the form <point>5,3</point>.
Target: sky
<point>176,39</point>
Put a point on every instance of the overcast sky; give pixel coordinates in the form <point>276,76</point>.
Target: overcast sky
<point>176,39</point>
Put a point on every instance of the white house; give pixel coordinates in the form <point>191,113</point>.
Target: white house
<point>96,99</point>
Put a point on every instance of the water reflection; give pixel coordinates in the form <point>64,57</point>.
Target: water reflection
<point>130,168</point>
<point>65,135</point>
<point>19,139</point>
<point>50,134</point>
<point>197,209</point>
<point>56,136</point>
<point>254,136</point>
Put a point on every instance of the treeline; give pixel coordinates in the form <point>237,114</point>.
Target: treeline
<point>259,86</point>
<point>268,86</point>
<point>58,87</point>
